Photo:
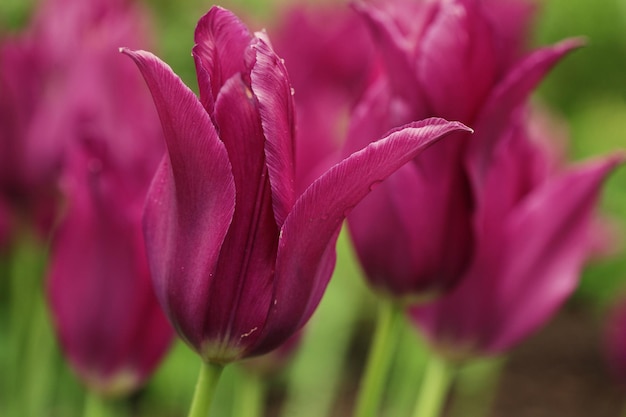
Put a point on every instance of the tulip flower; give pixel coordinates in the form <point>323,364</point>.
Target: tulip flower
<point>534,233</point>
<point>103,146</point>
<point>52,62</point>
<point>108,320</point>
<point>416,235</point>
<point>239,261</point>
<point>418,244</point>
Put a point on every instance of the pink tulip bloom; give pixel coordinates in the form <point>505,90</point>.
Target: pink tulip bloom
<point>533,235</point>
<point>415,234</point>
<point>239,259</point>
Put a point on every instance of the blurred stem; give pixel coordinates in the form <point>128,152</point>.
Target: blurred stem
<point>249,395</point>
<point>435,386</point>
<point>205,389</point>
<point>384,342</point>
<point>318,369</point>
<point>31,347</point>
<point>96,406</point>
<point>476,387</point>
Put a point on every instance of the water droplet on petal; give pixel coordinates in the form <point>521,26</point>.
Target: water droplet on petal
<point>293,91</point>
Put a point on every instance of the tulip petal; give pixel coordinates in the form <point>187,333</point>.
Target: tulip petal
<point>190,203</point>
<point>547,240</point>
<point>457,60</point>
<point>397,50</point>
<point>248,254</point>
<point>270,84</point>
<point>221,40</point>
<point>508,95</point>
<point>317,216</point>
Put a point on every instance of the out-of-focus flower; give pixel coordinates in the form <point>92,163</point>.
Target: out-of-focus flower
<point>330,56</point>
<point>48,76</point>
<point>107,317</point>
<point>415,234</point>
<point>239,261</point>
<point>533,235</point>
<point>94,129</point>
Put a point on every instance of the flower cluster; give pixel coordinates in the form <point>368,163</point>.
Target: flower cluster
<point>215,215</point>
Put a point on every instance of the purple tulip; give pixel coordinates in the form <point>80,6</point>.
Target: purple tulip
<point>415,235</point>
<point>107,318</point>
<point>106,143</point>
<point>239,261</point>
<point>533,235</point>
<point>60,58</point>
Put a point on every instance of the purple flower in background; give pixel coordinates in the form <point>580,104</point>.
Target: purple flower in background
<point>415,234</point>
<point>98,134</point>
<point>48,78</point>
<point>108,320</point>
<point>239,261</point>
<point>330,56</point>
<point>533,235</point>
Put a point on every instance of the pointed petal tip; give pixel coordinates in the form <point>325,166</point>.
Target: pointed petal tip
<point>614,160</point>
<point>572,43</point>
<point>449,126</point>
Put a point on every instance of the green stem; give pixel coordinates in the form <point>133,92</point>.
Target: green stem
<point>205,389</point>
<point>249,396</point>
<point>95,406</point>
<point>437,380</point>
<point>386,335</point>
<point>475,387</point>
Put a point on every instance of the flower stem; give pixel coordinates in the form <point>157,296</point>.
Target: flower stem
<point>435,385</point>
<point>95,406</point>
<point>249,395</point>
<point>205,389</point>
<point>384,342</point>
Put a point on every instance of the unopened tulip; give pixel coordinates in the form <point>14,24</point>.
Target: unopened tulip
<point>415,235</point>
<point>239,260</point>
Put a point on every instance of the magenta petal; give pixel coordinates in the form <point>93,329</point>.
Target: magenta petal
<point>271,87</point>
<point>548,239</point>
<point>457,62</point>
<point>221,39</point>
<point>508,95</point>
<point>191,201</point>
<point>397,53</point>
<point>309,230</point>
